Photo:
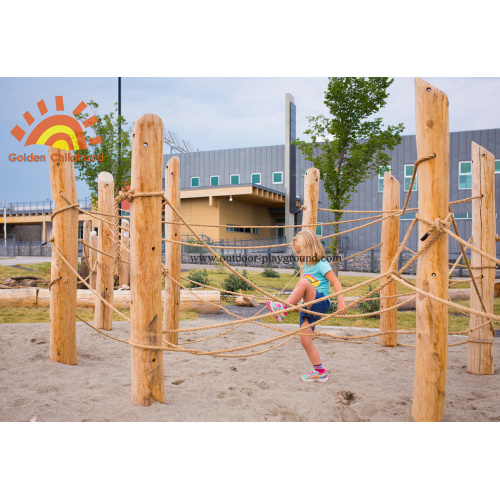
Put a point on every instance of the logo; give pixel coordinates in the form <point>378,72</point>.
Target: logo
<point>61,131</point>
<point>312,279</point>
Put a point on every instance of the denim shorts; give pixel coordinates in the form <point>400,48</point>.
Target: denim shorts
<point>320,307</point>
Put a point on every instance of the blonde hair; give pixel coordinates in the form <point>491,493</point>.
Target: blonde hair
<point>310,246</point>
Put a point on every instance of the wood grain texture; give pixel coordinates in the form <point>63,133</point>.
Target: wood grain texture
<point>125,253</point>
<point>105,265</point>
<point>480,355</point>
<point>172,252</point>
<point>145,261</point>
<point>388,250</point>
<point>432,270</point>
<point>65,236</point>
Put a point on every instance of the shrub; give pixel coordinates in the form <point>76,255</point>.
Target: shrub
<point>269,272</point>
<point>370,306</point>
<point>189,249</point>
<point>219,266</point>
<point>296,269</point>
<point>199,276</point>
<point>333,307</point>
<point>234,283</point>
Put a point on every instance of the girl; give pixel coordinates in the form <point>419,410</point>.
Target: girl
<point>315,284</point>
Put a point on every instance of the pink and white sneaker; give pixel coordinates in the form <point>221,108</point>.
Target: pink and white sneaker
<point>277,306</point>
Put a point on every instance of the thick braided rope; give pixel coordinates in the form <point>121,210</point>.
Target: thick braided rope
<point>89,287</point>
<point>470,272</point>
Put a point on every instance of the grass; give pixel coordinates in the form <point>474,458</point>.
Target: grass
<point>406,319</point>
<point>42,314</point>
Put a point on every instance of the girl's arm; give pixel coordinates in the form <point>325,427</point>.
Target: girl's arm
<point>334,281</point>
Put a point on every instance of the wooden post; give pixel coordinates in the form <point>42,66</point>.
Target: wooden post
<point>125,254</point>
<point>93,258</point>
<point>145,261</point>
<point>105,265</point>
<point>65,236</point>
<point>171,306</point>
<point>388,250</point>
<point>480,355</point>
<point>432,269</point>
<point>311,198</point>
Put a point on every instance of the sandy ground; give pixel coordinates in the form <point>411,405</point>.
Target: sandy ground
<point>377,381</point>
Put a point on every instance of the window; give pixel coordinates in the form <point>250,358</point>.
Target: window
<point>303,173</point>
<point>214,180</point>
<point>381,178</point>
<point>195,182</point>
<point>463,216</point>
<point>235,229</point>
<point>497,166</point>
<point>277,177</point>
<point>255,179</point>
<point>319,230</point>
<point>464,175</point>
<point>235,179</point>
<point>408,176</point>
<point>408,216</point>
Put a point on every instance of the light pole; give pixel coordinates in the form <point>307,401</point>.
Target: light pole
<point>5,223</point>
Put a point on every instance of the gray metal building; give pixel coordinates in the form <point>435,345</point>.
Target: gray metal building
<point>265,166</point>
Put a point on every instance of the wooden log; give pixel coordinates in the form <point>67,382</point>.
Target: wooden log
<point>105,265</point>
<point>432,269</point>
<point>388,250</point>
<point>245,300</point>
<point>147,384</point>
<point>125,253</point>
<point>480,355</point>
<point>172,252</point>
<point>121,299</point>
<point>311,199</point>
<point>93,242</point>
<point>65,237</point>
<point>21,297</point>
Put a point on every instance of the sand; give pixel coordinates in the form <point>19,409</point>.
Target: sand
<point>366,382</point>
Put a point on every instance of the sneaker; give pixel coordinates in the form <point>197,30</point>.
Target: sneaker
<point>277,306</point>
<point>314,375</point>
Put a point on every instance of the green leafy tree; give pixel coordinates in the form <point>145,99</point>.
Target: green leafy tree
<point>347,147</point>
<point>116,150</point>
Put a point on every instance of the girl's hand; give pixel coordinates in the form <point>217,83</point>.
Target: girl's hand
<point>340,304</point>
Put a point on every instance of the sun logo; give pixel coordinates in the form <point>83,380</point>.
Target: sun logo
<point>60,130</point>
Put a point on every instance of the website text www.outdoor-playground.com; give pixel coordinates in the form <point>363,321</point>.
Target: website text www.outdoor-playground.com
<point>261,260</point>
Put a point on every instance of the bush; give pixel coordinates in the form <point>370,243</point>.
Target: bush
<point>188,249</point>
<point>199,276</point>
<point>234,283</point>
<point>219,266</point>
<point>370,306</point>
<point>269,272</point>
<point>333,307</point>
<point>296,269</point>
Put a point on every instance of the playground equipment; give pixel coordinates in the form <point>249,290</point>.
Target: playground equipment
<point>434,219</point>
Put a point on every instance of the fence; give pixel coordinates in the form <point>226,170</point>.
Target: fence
<point>17,248</point>
<point>26,207</point>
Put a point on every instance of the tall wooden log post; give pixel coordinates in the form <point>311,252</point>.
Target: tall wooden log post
<point>432,269</point>
<point>65,236</point>
<point>93,258</point>
<point>125,253</point>
<point>311,201</point>
<point>388,250</point>
<point>171,305</point>
<point>145,261</point>
<point>105,264</point>
<point>480,354</point>
<point>311,198</point>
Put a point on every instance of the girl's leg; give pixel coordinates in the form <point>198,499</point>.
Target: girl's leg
<point>307,344</point>
<point>303,290</point>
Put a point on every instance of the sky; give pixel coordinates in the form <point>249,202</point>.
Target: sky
<point>211,112</point>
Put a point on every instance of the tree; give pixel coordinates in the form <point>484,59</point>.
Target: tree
<point>116,148</point>
<point>348,148</point>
